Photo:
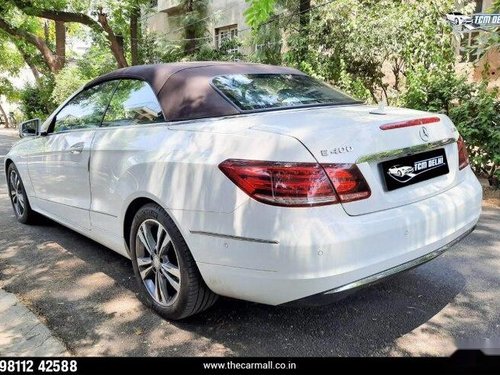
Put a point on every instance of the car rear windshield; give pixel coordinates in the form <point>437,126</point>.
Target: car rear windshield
<point>270,91</point>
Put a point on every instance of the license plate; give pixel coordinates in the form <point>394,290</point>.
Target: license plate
<point>411,169</point>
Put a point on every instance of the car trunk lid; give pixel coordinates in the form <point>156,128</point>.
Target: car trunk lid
<point>377,143</point>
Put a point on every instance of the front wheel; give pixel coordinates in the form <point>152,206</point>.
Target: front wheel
<point>18,196</point>
<point>168,278</point>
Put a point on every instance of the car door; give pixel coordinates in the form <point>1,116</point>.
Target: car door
<point>129,138</point>
<point>60,170</point>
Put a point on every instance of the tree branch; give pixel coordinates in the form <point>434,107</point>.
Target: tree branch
<point>29,61</point>
<point>56,15</point>
<point>20,34</point>
<point>115,46</point>
<point>99,26</point>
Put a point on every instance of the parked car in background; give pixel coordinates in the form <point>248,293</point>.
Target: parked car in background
<point>249,181</point>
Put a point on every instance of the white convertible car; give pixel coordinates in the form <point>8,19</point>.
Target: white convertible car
<point>249,181</point>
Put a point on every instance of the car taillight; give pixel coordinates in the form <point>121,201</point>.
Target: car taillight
<point>348,182</point>
<point>463,156</point>
<point>295,184</point>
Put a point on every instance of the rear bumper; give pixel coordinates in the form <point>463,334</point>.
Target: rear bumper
<point>323,251</point>
<point>347,289</point>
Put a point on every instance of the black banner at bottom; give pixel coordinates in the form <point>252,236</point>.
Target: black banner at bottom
<point>463,361</point>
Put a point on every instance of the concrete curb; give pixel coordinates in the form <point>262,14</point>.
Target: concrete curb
<point>22,333</point>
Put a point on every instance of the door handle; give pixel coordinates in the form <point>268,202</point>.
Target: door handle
<point>77,148</point>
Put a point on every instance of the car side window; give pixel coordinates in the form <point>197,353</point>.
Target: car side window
<point>86,109</point>
<point>133,103</point>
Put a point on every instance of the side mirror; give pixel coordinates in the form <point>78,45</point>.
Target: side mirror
<point>29,128</point>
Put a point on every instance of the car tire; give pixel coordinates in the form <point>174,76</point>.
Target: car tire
<point>18,197</point>
<point>169,280</point>
<point>457,21</point>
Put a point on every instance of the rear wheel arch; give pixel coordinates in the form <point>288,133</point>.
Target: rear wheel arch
<point>132,209</point>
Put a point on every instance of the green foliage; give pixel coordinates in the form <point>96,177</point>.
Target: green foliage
<point>259,11</point>
<point>477,117</point>
<point>11,61</point>
<point>356,44</point>
<point>267,43</point>
<point>8,90</point>
<point>228,51</point>
<point>36,100</point>
<point>155,50</point>
<point>67,81</point>
<point>472,108</point>
<point>96,60</point>
<point>433,90</point>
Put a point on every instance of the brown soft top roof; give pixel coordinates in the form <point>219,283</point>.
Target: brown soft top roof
<point>184,90</point>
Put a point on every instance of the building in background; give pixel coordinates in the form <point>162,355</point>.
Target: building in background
<point>225,19</point>
<point>476,67</point>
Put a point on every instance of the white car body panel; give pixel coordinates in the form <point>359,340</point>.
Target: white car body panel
<point>58,169</point>
<point>243,248</point>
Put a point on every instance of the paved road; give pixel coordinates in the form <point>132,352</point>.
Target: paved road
<point>86,295</point>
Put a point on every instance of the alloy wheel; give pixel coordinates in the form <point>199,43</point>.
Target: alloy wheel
<point>16,193</point>
<point>158,262</point>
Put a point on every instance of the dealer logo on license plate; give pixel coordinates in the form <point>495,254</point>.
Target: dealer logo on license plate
<point>404,173</point>
<point>415,168</point>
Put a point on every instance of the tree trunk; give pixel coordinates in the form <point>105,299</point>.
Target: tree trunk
<point>115,45</point>
<point>33,69</point>
<point>304,19</point>
<point>189,32</point>
<point>134,35</point>
<point>60,43</point>
<point>4,116</point>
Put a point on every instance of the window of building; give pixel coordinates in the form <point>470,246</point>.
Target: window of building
<point>226,33</point>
